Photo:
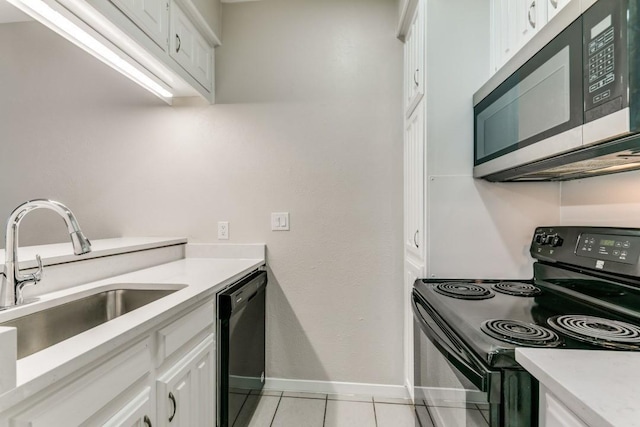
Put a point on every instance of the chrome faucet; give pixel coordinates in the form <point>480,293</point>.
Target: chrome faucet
<point>13,281</point>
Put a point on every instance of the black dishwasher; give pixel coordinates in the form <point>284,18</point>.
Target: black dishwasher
<point>241,343</point>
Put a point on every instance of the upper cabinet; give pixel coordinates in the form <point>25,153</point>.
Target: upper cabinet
<point>190,48</point>
<point>414,53</point>
<point>166,46</point>
<point>515,22</point>
<point>151,16</point>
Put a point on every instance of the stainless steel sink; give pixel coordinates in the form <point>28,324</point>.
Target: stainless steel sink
<point>45,328</point>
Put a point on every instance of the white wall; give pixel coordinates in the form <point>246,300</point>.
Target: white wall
<point>476,229</point>
<point>611,200</point>
<point>308,121</point>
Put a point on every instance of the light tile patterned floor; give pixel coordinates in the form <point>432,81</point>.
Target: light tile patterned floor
<point>292,409</point>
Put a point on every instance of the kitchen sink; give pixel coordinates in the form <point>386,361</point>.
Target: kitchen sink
<point>47,327</point>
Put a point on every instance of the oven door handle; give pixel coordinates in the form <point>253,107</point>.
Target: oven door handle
<point>459,358</point>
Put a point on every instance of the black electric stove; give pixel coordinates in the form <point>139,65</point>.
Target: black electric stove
<point>585,294</point>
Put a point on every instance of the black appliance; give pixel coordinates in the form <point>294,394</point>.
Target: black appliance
<point>585,294</point>
<point>241,342</point>
<point>567,105</point>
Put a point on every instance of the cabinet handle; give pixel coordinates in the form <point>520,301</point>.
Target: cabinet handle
<point>179,43</point>
<point>554,3</point>
<point>147,421</point>
<point>415,241</point>
<point>415,77</point>
<point>531,22</point>
<point>175,406</point>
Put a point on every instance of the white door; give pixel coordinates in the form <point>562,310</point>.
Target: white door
<point>531,16</point>
<point>414,73</point>
<point>190,49</point>
<point>185,392</point>
<point>151,16</point>
<point>414,170</point>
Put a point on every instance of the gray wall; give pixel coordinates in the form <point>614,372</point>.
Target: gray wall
<point>308,121</point>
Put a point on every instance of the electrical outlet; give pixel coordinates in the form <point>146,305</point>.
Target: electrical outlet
<point>280,221</point>
<point>223,230</point>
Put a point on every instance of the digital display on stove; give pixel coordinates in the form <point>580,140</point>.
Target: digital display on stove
<point>622,249</point>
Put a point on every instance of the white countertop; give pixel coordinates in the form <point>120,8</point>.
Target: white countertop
<point>199,278</point>
<point>601,387</point>
<point>63,252</point>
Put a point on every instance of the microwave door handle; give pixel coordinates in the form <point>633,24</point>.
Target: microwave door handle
<point>454,356</point>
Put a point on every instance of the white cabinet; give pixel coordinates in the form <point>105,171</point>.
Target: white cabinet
<point>165,377</point>
<point>152,16</point>
<point>504,37</point>
<point>414,61</point>
<point>414,189</point>
<point>515,22</point>
<point>553,413</point>
<point>84,400</point>
<point>554,6</point>
<point>190,49</point>
<point>185,392</point>
<point>136,413</point>
<point>531,16</point>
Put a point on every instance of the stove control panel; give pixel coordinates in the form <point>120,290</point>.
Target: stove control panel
<point>614,250</point>
<point>625,249</point>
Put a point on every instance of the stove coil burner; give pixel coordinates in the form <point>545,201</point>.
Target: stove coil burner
<point>463,290</point>
<point>518,289</point>
<point>596,330</point>
<point>520,333</point>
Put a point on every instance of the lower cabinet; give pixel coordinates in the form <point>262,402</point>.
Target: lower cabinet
<point>165,377</point>
<point>553,413</point>
<point>135,413</point>
<point>185,392</point>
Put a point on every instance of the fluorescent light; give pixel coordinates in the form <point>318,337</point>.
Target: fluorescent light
<point>71,31</point>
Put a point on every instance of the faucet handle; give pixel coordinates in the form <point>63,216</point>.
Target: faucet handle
<point>26,280</point>
<point>37,276</point>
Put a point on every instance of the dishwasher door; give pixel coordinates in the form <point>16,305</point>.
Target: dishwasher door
<point>241,344</point>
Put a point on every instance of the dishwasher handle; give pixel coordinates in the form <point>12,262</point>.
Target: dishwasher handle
<point>240,294</point>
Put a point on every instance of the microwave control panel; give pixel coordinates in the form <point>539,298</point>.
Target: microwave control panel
<point>604,29</point>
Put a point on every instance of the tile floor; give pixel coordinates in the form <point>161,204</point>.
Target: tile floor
<point>287,409</point>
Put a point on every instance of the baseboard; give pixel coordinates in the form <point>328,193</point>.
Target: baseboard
<point>436,396</point>
<point>336,387</point>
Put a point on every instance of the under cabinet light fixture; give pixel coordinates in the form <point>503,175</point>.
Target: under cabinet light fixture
<point>71,28</point>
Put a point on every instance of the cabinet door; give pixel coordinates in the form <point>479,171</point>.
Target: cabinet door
<point>414,74</point>
<point>531,16</point>
<point>503,31</point>
<point>81,401</point>
<point>186,390</point>
<point>190,49</point>
<point>414,169</point>
<point>137,413</point>
<point>152,16</point>
<point>554,6</point>
<point>554,413</point>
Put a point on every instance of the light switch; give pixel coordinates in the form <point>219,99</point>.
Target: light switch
<point>280,221</point>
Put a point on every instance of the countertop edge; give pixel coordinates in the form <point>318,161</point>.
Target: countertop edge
<point>116,336</point>
<point>530,359</point>
<point>59,253</point>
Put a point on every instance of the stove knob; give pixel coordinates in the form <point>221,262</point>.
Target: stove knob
<point>556,241</point>
<point>539,238</point>
<point>549,238</point>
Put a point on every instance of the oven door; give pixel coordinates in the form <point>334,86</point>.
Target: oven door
<point>443,368</point>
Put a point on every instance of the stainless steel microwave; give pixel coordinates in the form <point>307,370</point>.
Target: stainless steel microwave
<point>567,105</point>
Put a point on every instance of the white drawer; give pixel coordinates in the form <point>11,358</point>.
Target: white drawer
<point>183,330</point>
